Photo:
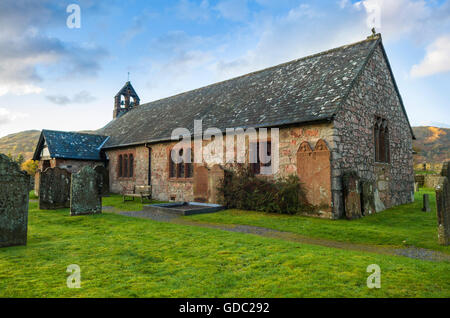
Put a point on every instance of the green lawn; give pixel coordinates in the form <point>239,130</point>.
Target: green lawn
<point>425,172</point>
<point>122,256</point>
<point>33,195</point>
<point>400,226</point>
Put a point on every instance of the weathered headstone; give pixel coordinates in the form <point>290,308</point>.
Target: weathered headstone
<point>443,205</point>
<point>426,203</point>
<point>368,197</point>
<point>54,189</point>
<point>420,178</point>
<point>14,185</point>
<point>85,194</point>
<point>352,196</point>
<point>103,175</point>
<point>216,174</point>
<point>201,183</point>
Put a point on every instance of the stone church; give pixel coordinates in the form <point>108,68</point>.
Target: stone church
<point>338,112</point>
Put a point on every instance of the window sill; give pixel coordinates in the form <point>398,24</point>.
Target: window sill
<point>185,180</point>
<point>383,164</point>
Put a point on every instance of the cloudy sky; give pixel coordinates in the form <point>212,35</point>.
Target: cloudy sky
<point>56,77</point>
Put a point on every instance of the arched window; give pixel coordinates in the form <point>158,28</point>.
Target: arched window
<point>387,145</point>
<point>265,150</point>
<point>172,168</point>
<point>382,152</point>
<point>120,166</point>
<point>381,139</point>
<point>183,169</point>
<point>131,163</point>
<point>125,166</point>
<point>376,135</point>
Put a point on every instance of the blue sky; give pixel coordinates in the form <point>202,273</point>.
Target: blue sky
<point>55,77</point>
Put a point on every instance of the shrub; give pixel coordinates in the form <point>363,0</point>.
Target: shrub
<point>30,166</point>
<point>241,189</point>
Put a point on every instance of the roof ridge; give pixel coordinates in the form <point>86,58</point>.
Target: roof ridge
<point>369,39</point>
<point>73,132</point>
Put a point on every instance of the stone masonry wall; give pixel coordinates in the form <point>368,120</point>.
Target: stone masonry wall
<point>373,95</point>
<point>165,188</point>
<point>68,164</point>
<point>74,166</point>
<point>140,168</point>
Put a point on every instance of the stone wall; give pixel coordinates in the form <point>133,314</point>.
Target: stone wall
<point>68,164</point>
<point>431,181</point>
<point>428,167</point>
<point>373,96</point>
<point>140,168</point>
<point>427,180</point>
<point>14,185</point>
<point>75,165</point>
<point>164,188</point>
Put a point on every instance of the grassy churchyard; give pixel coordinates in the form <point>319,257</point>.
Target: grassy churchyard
<point>121,256</point>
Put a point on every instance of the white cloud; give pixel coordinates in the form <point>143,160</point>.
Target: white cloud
<point>190,61</point>
<point>193,11</point>
<point>406,17</point>
<point>82,97</point>
<point>235,10</point>
<point>26,47</point>
<point>343,3</point>
<point>283,38</point>
<point>436,60</point>
<point>138,26</point>
<point>19,89</point>
<point>6,116</point>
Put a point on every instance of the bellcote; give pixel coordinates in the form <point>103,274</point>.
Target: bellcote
<point>125,100</point>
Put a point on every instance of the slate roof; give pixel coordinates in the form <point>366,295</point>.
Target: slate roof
<point>304,90</point>
<point>71,145</point>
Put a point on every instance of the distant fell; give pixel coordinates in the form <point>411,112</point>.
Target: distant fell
<point>432,144</point>
<point>23,143</point>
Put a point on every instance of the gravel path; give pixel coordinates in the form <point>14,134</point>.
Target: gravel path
<point>411,252</point>
<point>153,215</point>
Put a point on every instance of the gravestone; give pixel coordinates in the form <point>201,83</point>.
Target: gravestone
<point>201,183</point>
<point>368,197</point>
<point>420,179</point>
<point>352,196</point>
<point>54,189</point>
<point>314,170</point>
<point>14,185</point>
<point>443,205</point>
<point>216,174</point>
<point>85,193</point>
<point>103,175</point>
<point>426,203</point>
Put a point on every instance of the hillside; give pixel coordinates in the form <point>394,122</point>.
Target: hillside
<point>20,143</point>
<point>432,144</point>
<point>23,142</point>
